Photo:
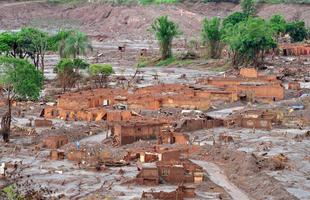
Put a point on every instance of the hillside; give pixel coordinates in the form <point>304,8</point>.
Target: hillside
<point>128,22</point>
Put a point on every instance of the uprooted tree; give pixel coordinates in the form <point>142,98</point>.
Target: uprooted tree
<point>19,80</point>
<point>165,31</point>
<point>100,73</point>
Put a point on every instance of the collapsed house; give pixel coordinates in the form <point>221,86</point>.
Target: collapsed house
<point>55,141</point>
<point>172,172</point>
<point>258,119</point>
<point>168,166</point>
<point>249,84</point>
<point>295,49</point>
<point>98,104</point>
<point>126,132</point>
<point>179,194</point>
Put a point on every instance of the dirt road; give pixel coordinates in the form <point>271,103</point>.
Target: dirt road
<point>19,3</point>
<point>218,177</point>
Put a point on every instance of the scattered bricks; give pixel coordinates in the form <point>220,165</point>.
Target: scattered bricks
<point>248,72</point>
<point>76,155</point>
<point>54,142</point>
<point>43,123</point>
<point>57,155</point>
<point>226,138</point>
<point>179,194</point>
<point>279,162</point>
<point>294,85</point>
<point>104,156</point>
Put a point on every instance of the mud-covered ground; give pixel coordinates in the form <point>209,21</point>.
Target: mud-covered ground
<point>233,170</point>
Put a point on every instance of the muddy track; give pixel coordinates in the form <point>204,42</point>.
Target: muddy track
<point>20,3</point>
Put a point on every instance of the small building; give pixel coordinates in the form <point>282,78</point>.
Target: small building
<point>180,172</point>
<point>129,132</point>
<point>148,175</point>
<point>160,155</point>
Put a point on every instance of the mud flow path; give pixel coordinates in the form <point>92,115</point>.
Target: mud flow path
<point>19,3</point>
<point>217,176</point>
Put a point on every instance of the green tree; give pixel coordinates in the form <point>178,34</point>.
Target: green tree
<point>100,73</point>
<point>67,75</point>
<point>165,31</point>
<point>278,24</point>
<point>249,40</point>
<point>11,44</point>
<point>76,44</point>
<point>20,80</point>
<point>80,64</point>
<point>35,42</point>
<point>248,7</point>
<point>234,18</point>
<point>297,30</point>
<point>211,36</point>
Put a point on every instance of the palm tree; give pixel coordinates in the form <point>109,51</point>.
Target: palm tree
<point>60,41</point>
<point>76,44</point>
<point>165,30</point>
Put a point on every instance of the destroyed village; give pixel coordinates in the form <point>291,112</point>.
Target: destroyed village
<point>154,99</point>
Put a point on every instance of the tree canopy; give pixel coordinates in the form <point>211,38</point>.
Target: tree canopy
<point>67,72</point>
<point>20,77</point>
<point>248,40</point>
<point>27,43</point>
<point>297,30</point>
<point>100,73</point>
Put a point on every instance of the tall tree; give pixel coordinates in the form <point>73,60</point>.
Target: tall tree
<point>165,31</point>
<point>36,44</point>
<point>20,80</point>
<point>278,25</point>
<point>76,44</point>
<point>57,42</point>
<point>211,36</point>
